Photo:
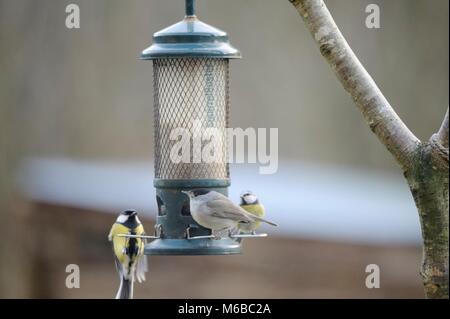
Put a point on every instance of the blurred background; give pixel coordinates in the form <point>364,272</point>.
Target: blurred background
<point>76,148</point>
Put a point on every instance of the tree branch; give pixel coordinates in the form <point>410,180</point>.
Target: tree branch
<point>442,134</point>
<point>377,111</point>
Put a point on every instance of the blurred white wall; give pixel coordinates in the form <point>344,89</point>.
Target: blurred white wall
<point>305,199</point>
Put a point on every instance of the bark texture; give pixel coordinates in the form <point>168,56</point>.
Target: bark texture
<point>424,164</point>
<point>428,181</point>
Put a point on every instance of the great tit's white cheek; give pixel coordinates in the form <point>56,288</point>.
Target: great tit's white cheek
<point>122,218</point>
<point>138,221</point>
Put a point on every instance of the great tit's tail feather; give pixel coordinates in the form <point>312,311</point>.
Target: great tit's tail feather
<point>126,285</point>
<point>125,289</point>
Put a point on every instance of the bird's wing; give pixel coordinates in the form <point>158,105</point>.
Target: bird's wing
<point>141,268</point>
<point>142,263</point>
<point>224,208</point>
<point>110,235</point>
<point>118,267</point>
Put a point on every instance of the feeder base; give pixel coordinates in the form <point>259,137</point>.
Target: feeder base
<point>224,246</point>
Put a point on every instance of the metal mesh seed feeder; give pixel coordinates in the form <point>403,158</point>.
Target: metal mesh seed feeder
<point>191,91</point>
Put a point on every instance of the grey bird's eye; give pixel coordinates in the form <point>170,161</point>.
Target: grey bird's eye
<point>201,191</point>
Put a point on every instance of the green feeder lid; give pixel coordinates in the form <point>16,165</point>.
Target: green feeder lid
<point>190,38</point>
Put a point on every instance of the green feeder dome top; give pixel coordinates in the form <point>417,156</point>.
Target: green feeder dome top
<point>190,38</point>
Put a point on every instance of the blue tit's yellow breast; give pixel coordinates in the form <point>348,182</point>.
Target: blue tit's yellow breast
<point>255,209</point>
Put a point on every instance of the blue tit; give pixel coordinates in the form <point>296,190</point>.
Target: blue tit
<point>251,204</point>
<point>130,261</point>
<point>215,211</point>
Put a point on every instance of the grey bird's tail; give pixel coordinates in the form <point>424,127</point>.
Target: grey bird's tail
<point>263,220</point>
<point>125,289</point>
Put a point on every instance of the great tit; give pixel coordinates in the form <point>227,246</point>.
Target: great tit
<point>130,261</point>
<point>215,211</point>
<point>250,202</point>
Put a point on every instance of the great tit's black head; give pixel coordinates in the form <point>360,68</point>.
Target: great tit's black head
<point>196,192</point>
<point>129,212</point>
<point>128,218</point>
<point>248,198</point>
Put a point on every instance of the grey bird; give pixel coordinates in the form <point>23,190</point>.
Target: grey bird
<point>215,211</point>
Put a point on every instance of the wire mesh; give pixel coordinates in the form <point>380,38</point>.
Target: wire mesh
<point>190,94</point>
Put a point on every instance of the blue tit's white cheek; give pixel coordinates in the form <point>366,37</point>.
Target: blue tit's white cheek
<point>250,199</point>
<point>122,219</point>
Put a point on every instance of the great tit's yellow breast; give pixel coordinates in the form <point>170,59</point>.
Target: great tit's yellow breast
<point>120,243</point>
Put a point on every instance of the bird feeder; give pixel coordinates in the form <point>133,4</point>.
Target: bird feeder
<point>191,92</point>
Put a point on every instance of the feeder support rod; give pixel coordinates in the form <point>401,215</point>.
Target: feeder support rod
<point>190,8</point>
